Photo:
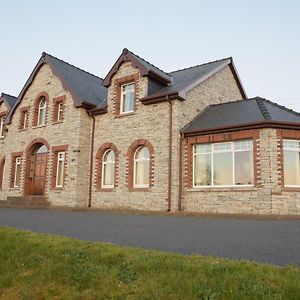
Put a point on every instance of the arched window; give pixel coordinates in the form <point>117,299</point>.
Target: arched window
<point>42,112</point>
<point>108,169</point>
<point>141,167</point>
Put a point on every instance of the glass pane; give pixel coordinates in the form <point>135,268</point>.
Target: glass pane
<point>243,145</point>
<point>109,156</point>
<point>142,173</point>
<point>108,174</point>
<point>244,167</point>
<point>60,173</point>
<point>18,175</point>
<point>223,169</point>
<point>202,148</point>
<point>222,146</point>
<point>291,168</point>
<point>142,153</point>
<point>291,144</point>
<point>42,149</point>
<point>128,102</point>
<point>202,170</point>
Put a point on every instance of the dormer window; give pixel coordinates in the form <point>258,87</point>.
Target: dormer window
<point>42,112</point>
<point>127,98</point>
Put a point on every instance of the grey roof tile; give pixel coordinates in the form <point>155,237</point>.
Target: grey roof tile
<point>241,112</point>
<point>9,100</point>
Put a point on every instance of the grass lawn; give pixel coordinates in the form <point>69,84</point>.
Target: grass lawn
<point>40,266</point>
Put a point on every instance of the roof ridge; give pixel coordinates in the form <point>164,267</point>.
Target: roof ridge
<point>5,94</point>
<point>264,111</point>
<point>149,62</point>
<point>200,65</point>
<point>282,106</point>
<point>45,53</point>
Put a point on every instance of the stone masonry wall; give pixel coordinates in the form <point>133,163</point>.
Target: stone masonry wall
<point>148,123</point>
<point>74,131</point>
<point>219,88</point>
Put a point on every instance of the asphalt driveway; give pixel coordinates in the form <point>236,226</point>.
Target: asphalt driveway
<point>276,242</point>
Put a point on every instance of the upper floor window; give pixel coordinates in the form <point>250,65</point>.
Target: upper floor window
<point>141,167</point>
<point>59,116</point>
<point>127,98</point>
<point>2,163</point>
<point>24,118</point>
<point>42,112</point>
<point>291,156</point>
<point>108,169</point>
<point>223,164</point>
<point>2,126</point>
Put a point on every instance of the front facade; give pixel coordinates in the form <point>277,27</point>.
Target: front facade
<point>139,139</point>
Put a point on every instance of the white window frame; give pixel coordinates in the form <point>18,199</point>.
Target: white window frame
<point>18,163</point>
<point>63,153</point>
<point>134,168</point>
<point>212,152</point>
<point>44,108</point>
<point>293,150</point>
<point>60,110</point>
<point>107,186</point>
<point>25,119</point>
<point>131,91</point>
<point>2,127</point>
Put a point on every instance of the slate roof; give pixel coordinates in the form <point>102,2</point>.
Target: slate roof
<point>8,99</point>
<point>181,79</point>
<point>241,113</point>
<point>85,88</point>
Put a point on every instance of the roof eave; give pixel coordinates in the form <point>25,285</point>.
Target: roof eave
<point>161,98</point>
<point>240,127</point>
<point>98,111</point>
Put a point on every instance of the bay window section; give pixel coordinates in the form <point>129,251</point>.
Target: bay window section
<point>291,157</point>
<point>223,164</point>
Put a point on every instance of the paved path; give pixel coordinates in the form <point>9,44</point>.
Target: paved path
<point>276,242</point>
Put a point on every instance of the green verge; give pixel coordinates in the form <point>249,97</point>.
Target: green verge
<point>41,266</point>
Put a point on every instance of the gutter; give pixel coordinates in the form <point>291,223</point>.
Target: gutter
<point>161,98</point>
<point>91,160</point>
<point>248,126</point>
<point>170,155</point>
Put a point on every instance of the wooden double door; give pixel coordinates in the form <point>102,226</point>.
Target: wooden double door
<point>39,174</point>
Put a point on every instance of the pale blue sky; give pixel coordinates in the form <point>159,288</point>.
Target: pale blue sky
<point>262,36</point>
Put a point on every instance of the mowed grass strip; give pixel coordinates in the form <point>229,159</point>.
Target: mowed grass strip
<point>40,266</point>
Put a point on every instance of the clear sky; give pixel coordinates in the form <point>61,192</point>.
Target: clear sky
<point>263,37</point>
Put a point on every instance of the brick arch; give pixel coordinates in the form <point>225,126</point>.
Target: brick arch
<point>2,162</point>
<point>130,160</point>
<point>29,153</point>
<point>36,107</point>
<point>99,158</point>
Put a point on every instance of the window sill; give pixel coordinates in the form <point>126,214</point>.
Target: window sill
<point>141,189</point>
<point>120,115</point>
<point>22,129</point>
<point>291,189</point>
<point>57,188</point>
<point>106,189</point>
<point>57,122</point>
<point>40,126</point>
<point>223,189</point>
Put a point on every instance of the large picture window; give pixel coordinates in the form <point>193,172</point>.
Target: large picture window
<point>108,169</point>
<point>141,167</point>
<point>223,164</point>
<point>291,154</point>
<point>127,98</point>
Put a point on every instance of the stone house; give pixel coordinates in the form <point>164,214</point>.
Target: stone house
<point>145,139</point>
